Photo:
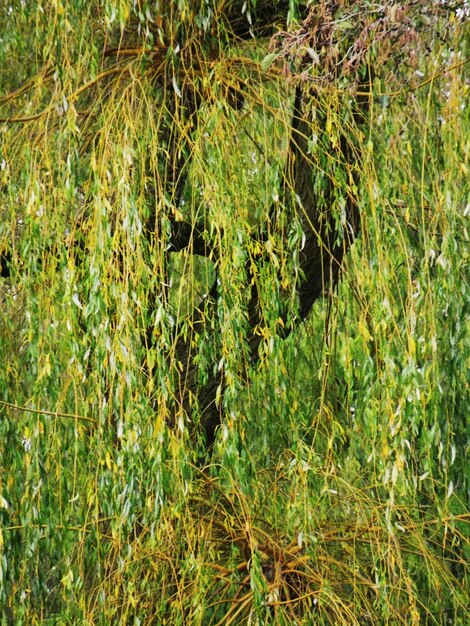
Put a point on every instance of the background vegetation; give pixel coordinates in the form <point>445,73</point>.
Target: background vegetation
<point>337,488</point>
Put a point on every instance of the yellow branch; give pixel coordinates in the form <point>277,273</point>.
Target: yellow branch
<point>42,412</point>
<point>73,96</point>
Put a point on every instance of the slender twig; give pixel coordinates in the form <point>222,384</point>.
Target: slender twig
<point>49,413</point>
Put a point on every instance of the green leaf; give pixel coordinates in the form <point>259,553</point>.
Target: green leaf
<point>344,25</point>
<point>268,61</point>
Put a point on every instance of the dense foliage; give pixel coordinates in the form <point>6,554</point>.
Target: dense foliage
<point>234,312</point>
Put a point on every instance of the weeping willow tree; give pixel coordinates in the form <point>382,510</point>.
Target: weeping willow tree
<point>234,312</point>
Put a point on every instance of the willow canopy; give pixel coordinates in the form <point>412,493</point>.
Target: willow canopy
<point>234,312</point>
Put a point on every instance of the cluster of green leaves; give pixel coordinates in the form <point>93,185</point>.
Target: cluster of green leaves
<point>338,489</point>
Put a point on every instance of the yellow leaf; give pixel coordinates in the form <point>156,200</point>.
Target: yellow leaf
<point>107,460</point>
<point>363,330</point>
<point>328,125</point>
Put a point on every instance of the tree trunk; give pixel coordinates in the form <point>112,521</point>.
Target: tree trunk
<point>321,256</point>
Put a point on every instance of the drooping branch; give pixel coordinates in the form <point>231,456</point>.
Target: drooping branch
<point>320,257</point>
<point>183,235</point>
<point>337,37</point>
